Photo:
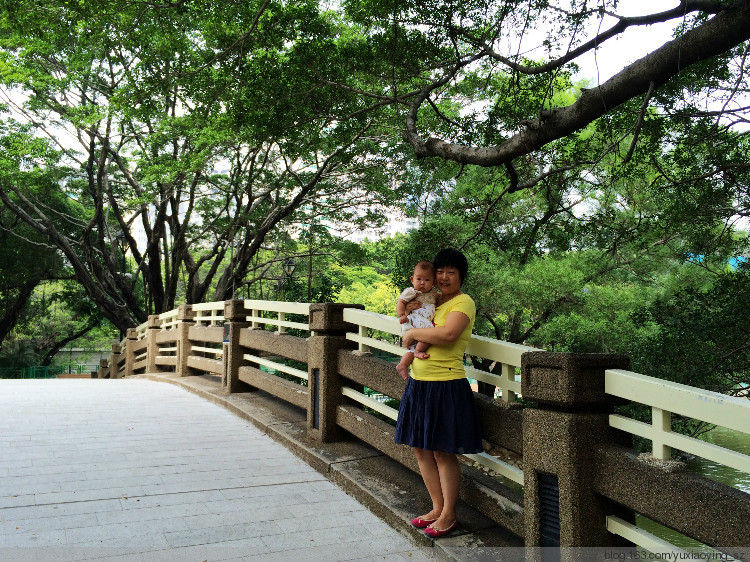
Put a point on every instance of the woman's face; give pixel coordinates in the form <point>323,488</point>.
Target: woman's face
<point>448,280</point>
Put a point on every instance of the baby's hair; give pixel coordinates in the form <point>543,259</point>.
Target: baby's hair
<point>425,265</point>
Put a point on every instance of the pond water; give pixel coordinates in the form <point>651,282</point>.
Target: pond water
<point>735,441</point>
<point>723,437</point>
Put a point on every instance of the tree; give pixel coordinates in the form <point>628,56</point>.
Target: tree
<point>470,93</point>
<point>697,336</point>
<point>24,263</point>
<point>192,123</point>
<point>378,297</point>
<point>700,337</point>
<point>57,314</point>
<point>27,259</point>
<point>223,131</point>
<point>461,38</point>
<point>563,264</point>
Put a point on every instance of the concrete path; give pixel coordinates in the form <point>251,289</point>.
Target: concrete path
<point>136,470</point>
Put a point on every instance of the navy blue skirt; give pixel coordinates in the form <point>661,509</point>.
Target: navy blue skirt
<point>439,416</point>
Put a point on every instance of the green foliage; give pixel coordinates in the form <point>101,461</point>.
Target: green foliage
<point>232,135</point>
<point>434,235</point>
<point>377,296</point>
<point>207,127</point>
<point>18,353</point>
<point>27,256</point>
<point>700,337</point>
<point>600,322</point>
<point>696,335</point>
<point>58,315</point>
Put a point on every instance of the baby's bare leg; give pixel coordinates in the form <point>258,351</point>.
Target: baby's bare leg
<point>403,365</point>
<point>419,350</point>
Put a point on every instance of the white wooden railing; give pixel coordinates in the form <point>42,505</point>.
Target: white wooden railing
<point>140,331</point>
<point>367,321</point>
<point>209,313</point>
<point>503,354</point>
<point>666,398</point>
<point>168,320</point>
<point>281,309</point>
<point>645,540</point>
<point>140,334</point>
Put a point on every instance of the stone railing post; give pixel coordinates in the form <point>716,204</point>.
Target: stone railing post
<point>324,383</point>
<point>103,371</point>
<point>234,321</point>
<point>114,359</point>
<point>152,349</point>
<point>112,369</point>
<point>132,336</point>
<point>185,319</point>
<point>559,437</point>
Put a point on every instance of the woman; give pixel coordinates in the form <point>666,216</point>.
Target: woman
<point>438,417</point>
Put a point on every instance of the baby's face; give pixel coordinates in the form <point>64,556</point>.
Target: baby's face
<point>422,280</point>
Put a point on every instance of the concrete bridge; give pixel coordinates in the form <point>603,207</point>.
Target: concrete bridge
<point>559,472</point>
<point>143,471</point>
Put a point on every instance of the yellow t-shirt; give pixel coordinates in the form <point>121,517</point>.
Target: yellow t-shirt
<point>446,362</point>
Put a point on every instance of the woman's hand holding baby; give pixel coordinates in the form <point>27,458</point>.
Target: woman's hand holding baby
<point>407,339</point>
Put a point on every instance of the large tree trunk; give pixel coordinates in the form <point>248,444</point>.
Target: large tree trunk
<point>9,321</point>
<point>66,340</point>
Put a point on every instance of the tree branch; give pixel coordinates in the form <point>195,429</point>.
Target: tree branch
<point>728,28</point>
<point>686,6</point>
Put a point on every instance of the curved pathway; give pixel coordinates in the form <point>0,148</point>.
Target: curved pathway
<point>139,470</point>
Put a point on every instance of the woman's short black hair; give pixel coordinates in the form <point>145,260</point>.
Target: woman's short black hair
<point>450,257</point>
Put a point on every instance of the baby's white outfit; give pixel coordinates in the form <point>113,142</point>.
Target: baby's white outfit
<point>421,317</point>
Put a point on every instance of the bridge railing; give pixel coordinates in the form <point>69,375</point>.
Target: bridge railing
<point>558,468</point>
<point>273,313</point>
<point>665,399</point>
<point>503,357</point>
<point>208,313</point>
<point>169,320</point>
<point>262,352</point>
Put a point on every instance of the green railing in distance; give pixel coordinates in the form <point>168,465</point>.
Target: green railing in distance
<point>47,371</point>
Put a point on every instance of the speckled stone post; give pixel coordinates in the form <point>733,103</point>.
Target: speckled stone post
<point>235,314</point>
<point>560,436</point>
<point>324,382</point>
<point>185,319</point>
<point>152,349</point>
<point>115,359</point>
<point>113,372</point>
<point>132,337</point>
<point>103,372</point>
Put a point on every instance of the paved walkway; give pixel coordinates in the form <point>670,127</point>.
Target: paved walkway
<point>136,470</point>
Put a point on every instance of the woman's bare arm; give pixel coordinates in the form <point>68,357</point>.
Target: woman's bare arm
<point>455,324</point>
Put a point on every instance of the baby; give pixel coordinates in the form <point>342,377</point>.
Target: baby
<point>423,290</point>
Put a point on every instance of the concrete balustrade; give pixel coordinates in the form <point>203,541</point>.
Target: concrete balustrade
<point>575,480</point>
<point>560,437</point>
<point>103,372</point>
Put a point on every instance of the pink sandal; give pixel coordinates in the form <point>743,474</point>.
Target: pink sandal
<point>437,533</point>
<point>422,523</point>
